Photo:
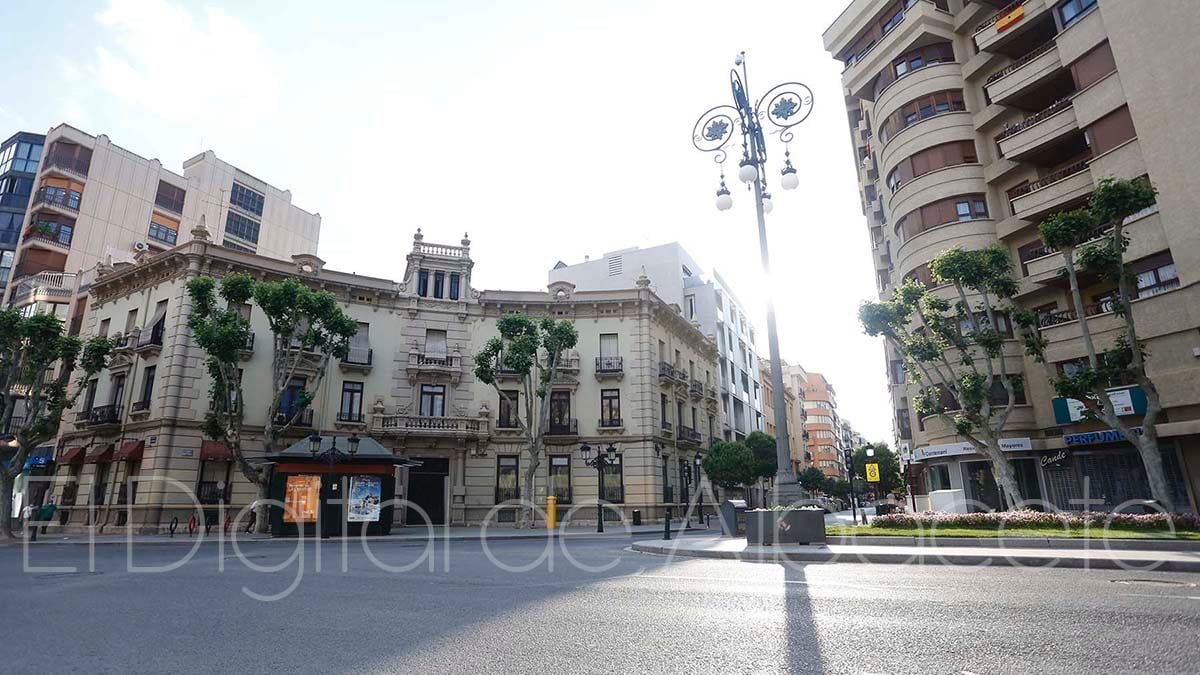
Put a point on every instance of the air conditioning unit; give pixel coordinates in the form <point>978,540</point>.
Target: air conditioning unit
<point>140,246</point>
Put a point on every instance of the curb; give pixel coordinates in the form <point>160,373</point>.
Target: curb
<point>1093,544</point>
<point>821,554</point>
<point>210,540</point>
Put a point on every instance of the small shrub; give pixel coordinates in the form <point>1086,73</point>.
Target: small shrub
<point>1039,519</point>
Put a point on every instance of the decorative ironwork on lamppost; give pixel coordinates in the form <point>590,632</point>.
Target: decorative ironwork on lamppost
<point>600,462</point>
<point>783,107</point>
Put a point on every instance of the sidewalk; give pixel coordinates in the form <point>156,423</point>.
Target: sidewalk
<point>401,534</point>
<point>1094,558</point>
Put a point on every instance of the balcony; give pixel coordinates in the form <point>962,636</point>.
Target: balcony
<point>1051,319</point>
<point>1044,265</point>
<point>562,495</point>
<point>666,372</point>
<point>248,348</point>
<point>357,359</point>
<point>688,436</point>
<point>1005,26</point>
<point>610,367</point>
<point>921,17</point>
<point>429,427</point>
<point>566,427</point>
<point>104,416</point>
<point>351,418</point>
<point>57,199</point>
<point>607,424</point>
<point>614,494</point>
<point>44,286</point>
<point>666,430</point>
<point>1024,74</point>
<point>68,165</point>
<point>710,393</point>
<point>696,389</point>
<point>1051,192</point>
<point>1034,133</point>
<point>434,366</point>
<point>150,342</point>
<point>568,365</point>
<point>212,492</point>
<point>55,236</point>
<point>139,409</point>
<point>303,420</point>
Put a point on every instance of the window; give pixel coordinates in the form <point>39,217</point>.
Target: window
<point>163,233</point>
<point>560,411</point>
<point>435,344</point>
<point>506,478</point>
<point>170,197</point>
<point>423,283</point>
<point>998,396</point>
<point>148,374</point>
<point>360,345</point>
<point>610,407</point>
<point>234,246</point>
<point>352,396</point>
<point>1110,131</point>
<point>662,411</point>
<point>293,395</point>
<point>508,410</point>
<point>950,100</point>
<point>897,370</point>
<point>1093,66</point>
<point>560,478</point>
<point>690,302</point>
<point>104,324</point>
<point>21,156</point>
<point>1070,11</point>
<point>439,282</point>
<point>118,390</point>
<point>433,400</point>
<point>131,320</point>
<point>614,484</point>
<point>939,477</point>
<point>1155,275</point>
<point>931,159</point>
<point>941,212</point>
<point>241,227</point>
<point>454,282</point>
<point>246,199</point>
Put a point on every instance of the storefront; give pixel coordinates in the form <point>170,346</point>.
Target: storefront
<point>1101,471</point>
<point>333,488</point>
<point>957,466</point>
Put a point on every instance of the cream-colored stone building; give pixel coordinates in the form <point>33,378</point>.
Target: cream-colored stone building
<point>636,380</point>
<point>797,436</point>
<point>974,120</point>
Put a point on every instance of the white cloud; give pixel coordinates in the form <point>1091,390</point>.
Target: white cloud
<point>186,68</point>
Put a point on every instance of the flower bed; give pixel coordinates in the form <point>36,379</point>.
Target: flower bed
<point>1038,519</point>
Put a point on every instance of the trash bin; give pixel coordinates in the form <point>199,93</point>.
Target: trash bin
<point>637,516</point>
<point>733,517</point>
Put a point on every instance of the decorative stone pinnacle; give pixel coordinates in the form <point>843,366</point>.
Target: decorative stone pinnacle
<point>200,231</point>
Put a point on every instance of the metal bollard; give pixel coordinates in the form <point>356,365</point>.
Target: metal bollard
<point>667,526</point>
<point>551,512</point>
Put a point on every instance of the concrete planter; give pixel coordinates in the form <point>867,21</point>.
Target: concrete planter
<point>796,526</point>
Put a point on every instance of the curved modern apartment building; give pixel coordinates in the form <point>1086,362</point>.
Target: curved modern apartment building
<point>974,120</point>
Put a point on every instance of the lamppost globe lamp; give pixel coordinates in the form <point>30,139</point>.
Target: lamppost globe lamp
<point>353,442</point>
<point>585,451</point>
<point>611,451</point>
<point>783,107</point>
<point>724,201</point>
<point>314,443</point>
<point>789,180</point>
<point>699,459</point>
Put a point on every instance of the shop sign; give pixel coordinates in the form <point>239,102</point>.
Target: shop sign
<point>1125,401</point>
<point>301,499</point>
<point>1056,459</point>
<point>965,448</point>
<point>1095,437</point>
<point>366,494</point>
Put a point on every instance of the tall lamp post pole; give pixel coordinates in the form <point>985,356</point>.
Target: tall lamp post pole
<point>783,106</point>
<point>600,462</point>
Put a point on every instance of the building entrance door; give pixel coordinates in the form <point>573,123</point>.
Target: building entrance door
<point>427,490</point>
<point>981,486</point>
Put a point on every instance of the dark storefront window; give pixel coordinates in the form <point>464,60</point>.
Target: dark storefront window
<point>507,417</point>
<point>560,478</point>
<point>506,479</point>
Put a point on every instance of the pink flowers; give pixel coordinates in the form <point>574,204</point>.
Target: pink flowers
<point>1038,519</point>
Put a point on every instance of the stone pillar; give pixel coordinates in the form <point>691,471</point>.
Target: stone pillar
<point>458,489</point>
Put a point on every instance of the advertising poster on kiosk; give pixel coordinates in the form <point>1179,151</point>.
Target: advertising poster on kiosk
<point>365,497</point>
<point>302,499</point>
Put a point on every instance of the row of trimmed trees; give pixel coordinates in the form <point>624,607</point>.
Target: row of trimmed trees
<point>967,375</point>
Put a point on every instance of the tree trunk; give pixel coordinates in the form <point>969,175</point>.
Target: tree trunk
<point>1152,458</point>
<point>262,510</point>
<point>6,515</point>
<point>527,519</point>
<point>1007,479</point>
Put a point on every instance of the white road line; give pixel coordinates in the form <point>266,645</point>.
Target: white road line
<point>1154,595</point>
<point>770,581</point>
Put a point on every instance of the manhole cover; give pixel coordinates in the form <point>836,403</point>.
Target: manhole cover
<point>1152,582</point>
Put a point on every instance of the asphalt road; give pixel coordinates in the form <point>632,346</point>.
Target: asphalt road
<point>645,614</point>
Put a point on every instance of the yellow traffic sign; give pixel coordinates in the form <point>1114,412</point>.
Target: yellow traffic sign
<point>872,473</point>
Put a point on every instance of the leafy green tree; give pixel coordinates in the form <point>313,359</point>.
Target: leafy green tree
<point>516,350</point>
<point>763,446</point>
<point>36,364</point>
<point>890,479</point>
<point>730,464</point>
<point>811,479</point>
<point>955,353</point>
<point>1093,242</point>
<point>836,487</point>
<point>308,328</point>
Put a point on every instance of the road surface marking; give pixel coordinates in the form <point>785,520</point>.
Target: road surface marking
<point>1156,595</point>
<point>770,581</point>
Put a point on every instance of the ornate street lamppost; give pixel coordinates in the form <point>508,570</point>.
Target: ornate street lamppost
<point>333,455</point>
<point>699,460</point>
<point>601,461</point>
<point>783,106</point>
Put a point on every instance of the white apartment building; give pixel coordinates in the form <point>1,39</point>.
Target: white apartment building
<point>95,202</point>
<point>709,303</point>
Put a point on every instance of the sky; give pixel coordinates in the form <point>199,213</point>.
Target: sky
<point>547,130</point>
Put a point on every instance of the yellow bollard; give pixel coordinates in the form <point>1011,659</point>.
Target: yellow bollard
<point>551,512</point>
